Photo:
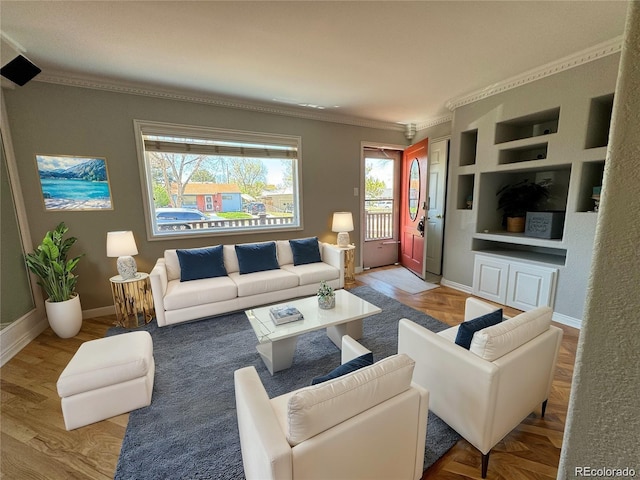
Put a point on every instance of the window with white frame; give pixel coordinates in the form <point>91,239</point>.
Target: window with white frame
<point>207,181</point>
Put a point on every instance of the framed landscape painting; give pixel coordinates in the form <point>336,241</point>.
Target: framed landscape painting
<point>74,183</point>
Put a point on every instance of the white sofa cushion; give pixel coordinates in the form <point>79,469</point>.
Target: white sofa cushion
<point>313,272</point>
<point>172,264</point>
<point>312,410</point>
<point>230,259</point>
<point>494,342</point>
<point>285,254</point>
<point>263,282</point>
<point>198,292</point>
<point>107,361</point>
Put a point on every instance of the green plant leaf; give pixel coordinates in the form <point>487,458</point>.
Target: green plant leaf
<point>49,263</point>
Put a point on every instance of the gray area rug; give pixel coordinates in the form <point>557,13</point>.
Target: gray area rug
<point>190,429</point>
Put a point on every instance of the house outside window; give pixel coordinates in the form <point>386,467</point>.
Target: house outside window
<point>216,174</point>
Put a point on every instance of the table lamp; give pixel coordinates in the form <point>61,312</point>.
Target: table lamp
<point>123,245</point>
<point>343,224</point>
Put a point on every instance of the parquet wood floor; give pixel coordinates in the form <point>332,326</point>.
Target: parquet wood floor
<point>35,445</point>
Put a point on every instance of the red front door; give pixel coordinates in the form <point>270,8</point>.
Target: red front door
<point>413,195</point>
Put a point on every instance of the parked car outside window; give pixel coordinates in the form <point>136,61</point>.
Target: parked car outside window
<point>254,208</point>
<point>178,218</point>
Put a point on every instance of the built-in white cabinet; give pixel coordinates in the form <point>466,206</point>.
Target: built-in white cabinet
<point>490,278</point>
<point>514,283</point>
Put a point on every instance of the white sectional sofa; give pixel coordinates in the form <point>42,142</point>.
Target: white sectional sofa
<point>179,301</point>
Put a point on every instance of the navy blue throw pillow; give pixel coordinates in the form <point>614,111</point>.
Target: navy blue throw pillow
<point>257,257</point>
<point>305,250</point>
<point>468,328</point>
<point>197,263</point>
<point>351,366</point>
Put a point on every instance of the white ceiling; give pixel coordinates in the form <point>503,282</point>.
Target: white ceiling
<point>391,61</point>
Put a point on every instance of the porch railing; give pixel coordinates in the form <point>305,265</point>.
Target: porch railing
<point>260,220</point>
<point>378,225</point>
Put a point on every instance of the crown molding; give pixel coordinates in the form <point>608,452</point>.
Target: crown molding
<point>580,58</point>
<point>434,121</point>
<point>64,78</point>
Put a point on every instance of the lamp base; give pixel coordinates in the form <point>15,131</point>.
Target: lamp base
<point>343,239</point>
<point>127,267</point>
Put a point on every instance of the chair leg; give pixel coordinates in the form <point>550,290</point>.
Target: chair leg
<point>485,463</point>
<point>544,407</point>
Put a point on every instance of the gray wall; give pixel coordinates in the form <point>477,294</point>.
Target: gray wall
<point>603,425</point>
<point>572,91</point>
<point>62,120</point>
<point>437,131</point>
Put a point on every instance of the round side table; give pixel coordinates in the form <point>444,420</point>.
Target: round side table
<point>133,300</point>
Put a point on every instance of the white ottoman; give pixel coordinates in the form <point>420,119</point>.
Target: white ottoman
<point>107,377</point>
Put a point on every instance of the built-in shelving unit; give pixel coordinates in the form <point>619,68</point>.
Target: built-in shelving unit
<point>468,147</point>
<point>534,125</point>
<point>535,133</point>
<point>591,178</point>
<point>465,191</point>
<point>490,218</point>
<point>523,153</point>
<point>541,255</point>
<point>599,121</point>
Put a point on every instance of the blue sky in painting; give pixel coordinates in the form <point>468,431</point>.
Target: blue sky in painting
<point>47,162</point>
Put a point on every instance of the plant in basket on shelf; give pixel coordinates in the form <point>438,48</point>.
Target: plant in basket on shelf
<point>516,199</point>
<point>55,272</point>
<point>326,296</point>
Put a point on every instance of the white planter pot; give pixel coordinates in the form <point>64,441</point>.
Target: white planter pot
<point>65,318</point>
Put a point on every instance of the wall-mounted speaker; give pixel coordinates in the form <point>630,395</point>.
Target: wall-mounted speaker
<point>19,70</point>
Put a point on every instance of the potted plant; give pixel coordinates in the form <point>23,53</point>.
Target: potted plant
<point>326,296</point>
<point>516,199</point>
<point>55,273</point>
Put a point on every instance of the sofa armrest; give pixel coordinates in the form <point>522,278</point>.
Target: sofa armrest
<point>334,256</point>
<point>462,386</point>
<point>266,454</point>
<point>159,282</point>
<point>351,349</point>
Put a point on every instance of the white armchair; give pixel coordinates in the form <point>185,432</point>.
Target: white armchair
<point>485,392</point>
<point>369,424</point>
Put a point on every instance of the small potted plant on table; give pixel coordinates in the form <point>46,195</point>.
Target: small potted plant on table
<point>55,272</point>
<point>326,296</point>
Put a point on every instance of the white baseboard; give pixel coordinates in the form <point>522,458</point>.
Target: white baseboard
<point>16,336</point>
<point>99,312</point>
<point>457,286</point>
<point>19,333</point>
<point>567,320</point>
<point>557,317</point>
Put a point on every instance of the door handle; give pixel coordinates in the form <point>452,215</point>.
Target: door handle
<point>421,226</point>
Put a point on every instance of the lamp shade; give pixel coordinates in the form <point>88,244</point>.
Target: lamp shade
<point>342,222</point>
<point>121,244</point>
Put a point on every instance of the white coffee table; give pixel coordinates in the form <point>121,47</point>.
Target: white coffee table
<point>277,344</point>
